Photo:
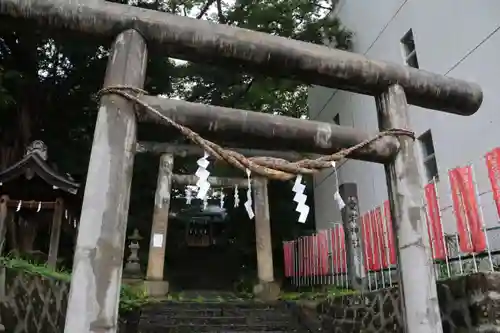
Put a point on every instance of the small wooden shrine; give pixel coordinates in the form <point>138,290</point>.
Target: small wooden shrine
<point>37,200</point>
<point>203,226</point>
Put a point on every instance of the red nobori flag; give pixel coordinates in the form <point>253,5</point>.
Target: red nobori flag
<point>380,237</point>
<point>338,249</point>
<point>434,224</point>
<point>375,241</point>
<point>288,248</point>
<point>493,164</point>
<point>310,255</point>
<point>323,252</point>
<point>391,244</point>
<point>367,243</point>
<point>466,209</point>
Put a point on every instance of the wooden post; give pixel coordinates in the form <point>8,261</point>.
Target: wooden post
<point>55,232</point>
<point>267,288</point>
<point>4,213</point>
<point>156,285</point>
<point>416,275</point>
<point>98,261</point>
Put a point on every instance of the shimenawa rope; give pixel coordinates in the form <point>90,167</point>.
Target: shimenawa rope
<point>270,167</point>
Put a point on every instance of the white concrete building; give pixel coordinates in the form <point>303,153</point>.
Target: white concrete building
<point>457,38</point>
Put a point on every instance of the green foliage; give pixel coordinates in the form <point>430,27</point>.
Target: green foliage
<point>131,297</point>
<point>48,79</point>
<point>312,295</point>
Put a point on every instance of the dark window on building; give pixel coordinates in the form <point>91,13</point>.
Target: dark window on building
<point>428,156</point>
<point>409,50</point>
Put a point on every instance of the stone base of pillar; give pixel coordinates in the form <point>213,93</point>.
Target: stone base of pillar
<point>267,291</point>
<point>156,288</point>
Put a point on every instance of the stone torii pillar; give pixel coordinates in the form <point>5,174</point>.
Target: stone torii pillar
<point>267,288</point>
<point>417,280</point>
<point>98,261</point>
<point>155,283</point>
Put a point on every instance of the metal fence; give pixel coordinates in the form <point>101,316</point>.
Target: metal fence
<point>463,214</point>
<point>31,303</point>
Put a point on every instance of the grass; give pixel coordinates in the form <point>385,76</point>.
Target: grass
<point>315,295</point>
<point>131,297</point>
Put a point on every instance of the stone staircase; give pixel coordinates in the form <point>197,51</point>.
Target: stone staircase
<point>220,317</point>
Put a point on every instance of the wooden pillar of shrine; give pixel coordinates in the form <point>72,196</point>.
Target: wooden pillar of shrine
<point>4,218</point>
<point>55,232</point>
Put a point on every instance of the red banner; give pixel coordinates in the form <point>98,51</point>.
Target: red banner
<point>380,237</point>
<point>285,258</point>
<point>323,252</point>
<point>306,256</point>
<point>367,243</point>
<point>434,224</point>
<point>466,209</point>
<point>338,246</point>
<point>493,164</point>
<point>375,241</point>
<point>310,256</point>
<point>391,244</point>
<point>300,250</point>
<point>288,249</point>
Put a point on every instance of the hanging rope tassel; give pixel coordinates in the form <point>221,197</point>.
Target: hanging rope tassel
<point>336,196</point>
<point>236,196</point>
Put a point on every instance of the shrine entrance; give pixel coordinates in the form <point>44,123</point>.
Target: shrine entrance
<point>97,269</point>
<point>198,252</point>
<point>190,249</point>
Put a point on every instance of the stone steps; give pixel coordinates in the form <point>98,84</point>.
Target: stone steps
<point>219,317</point>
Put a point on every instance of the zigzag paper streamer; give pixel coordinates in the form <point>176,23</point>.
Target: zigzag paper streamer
<point>222,196</point>
<point>205,203</point>
<point>202,173</point>
<point>189,195</point>
<point>248,204</point>
<point>236,196</point>
<point>300,198</point>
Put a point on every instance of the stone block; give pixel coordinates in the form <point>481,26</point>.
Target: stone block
<point>156,288</point>
<point>267,291</point>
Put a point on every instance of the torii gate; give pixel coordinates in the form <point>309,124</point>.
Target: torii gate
<point>95,286</point>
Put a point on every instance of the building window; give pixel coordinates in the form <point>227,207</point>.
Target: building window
<point>336,119</point>
<point>428,156</point>
<point>409,50</point>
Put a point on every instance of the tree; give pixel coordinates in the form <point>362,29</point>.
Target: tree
<point>48,78</point>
